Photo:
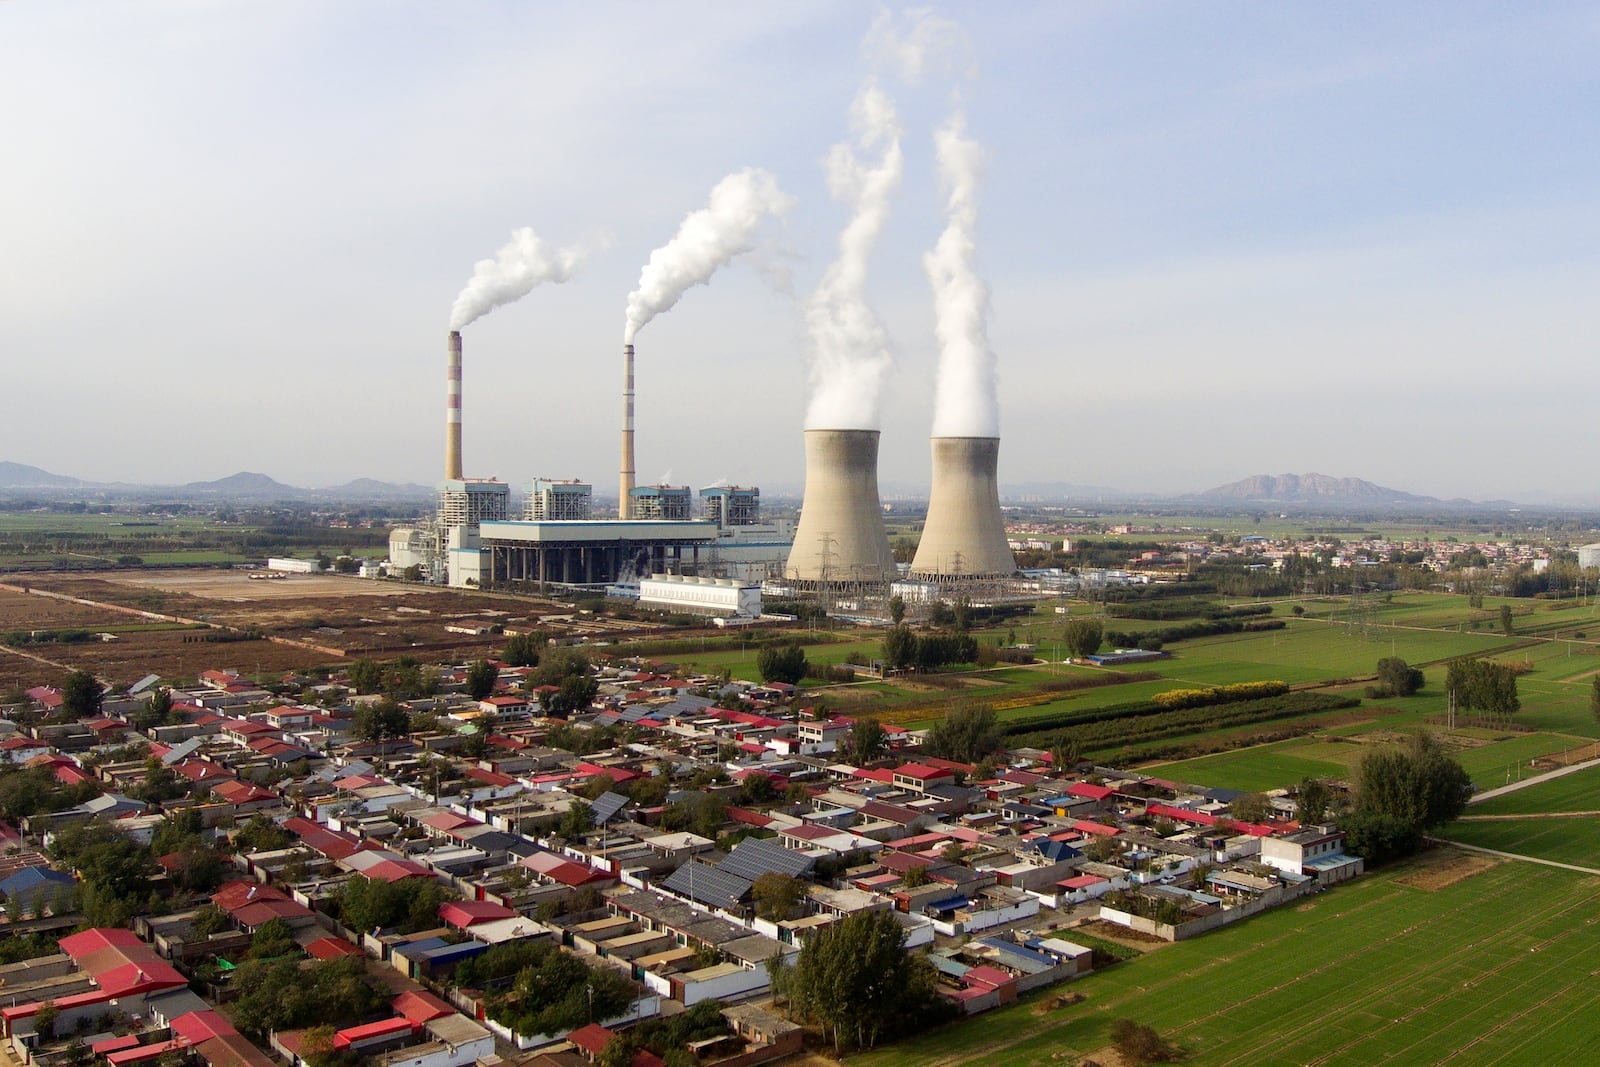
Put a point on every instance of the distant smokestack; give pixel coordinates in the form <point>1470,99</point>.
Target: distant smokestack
<point>626,487</point>
<point>452,409</point>
<point>965,535</point>
<point>841,537</point>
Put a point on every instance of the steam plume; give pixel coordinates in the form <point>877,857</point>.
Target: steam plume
<point>965,402</point>
<point>523,263</point>
<point>850,347</point>
<point>707,239</point>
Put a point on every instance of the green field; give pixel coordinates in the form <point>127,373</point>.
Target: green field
<point>1578,791</point>
<point>1495,969</point>
<point>1575,839</point>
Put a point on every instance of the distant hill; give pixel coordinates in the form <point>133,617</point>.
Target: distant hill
<point>22,476</point>
<point>1319,489</point>
<point>245,483</point>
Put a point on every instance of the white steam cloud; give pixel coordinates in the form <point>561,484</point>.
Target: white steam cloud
<point>526,261</point>
<point>706,240</point>
<point>965,402</point>
<point>916,42</point>
<point>850,348</point>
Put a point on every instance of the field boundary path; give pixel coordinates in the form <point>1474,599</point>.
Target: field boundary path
<point>1529,815</point>
<point>1501,790</point>
<point>1512,856</point>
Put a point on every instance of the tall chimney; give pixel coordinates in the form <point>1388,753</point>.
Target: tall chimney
<point>452,409</point>
<point>623,509</point>
<point>965,535</point>
<point>841,537</point>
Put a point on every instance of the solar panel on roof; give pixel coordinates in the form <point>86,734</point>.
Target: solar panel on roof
<point>755,856</point>
<point>705,883</point>
<point>607,806</point>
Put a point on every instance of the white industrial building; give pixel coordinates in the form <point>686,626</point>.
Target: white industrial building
<point>701,596</point>
<point>1589,556</point>
<point>294,566</point>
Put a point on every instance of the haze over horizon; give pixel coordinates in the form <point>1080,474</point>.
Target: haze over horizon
<point>1220,242</point>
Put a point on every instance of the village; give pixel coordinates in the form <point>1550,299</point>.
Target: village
<point>668,843</point>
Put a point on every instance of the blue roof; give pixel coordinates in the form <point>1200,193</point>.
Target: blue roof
<point>30,878</point>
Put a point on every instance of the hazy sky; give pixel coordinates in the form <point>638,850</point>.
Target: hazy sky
<point>1222,239</point>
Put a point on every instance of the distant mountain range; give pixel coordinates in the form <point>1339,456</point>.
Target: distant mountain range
<point>245,485</point>
<point>1325,491</point>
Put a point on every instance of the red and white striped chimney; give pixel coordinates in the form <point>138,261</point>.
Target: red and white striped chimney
<point>452,410</point>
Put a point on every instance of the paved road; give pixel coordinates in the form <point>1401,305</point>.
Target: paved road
<point>1500,790</point>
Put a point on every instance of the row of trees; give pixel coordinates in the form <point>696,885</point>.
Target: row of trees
<point>905,650</point>
<point>1479,684</point>
<point>1403,793</point>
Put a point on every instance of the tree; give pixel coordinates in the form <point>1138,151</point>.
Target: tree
<point>778,896</point>
<point>785,664</point>
<point>44,1020</point>
<point>1505,620</point>
<point>1398,677</point>
<point>157,711</point>
<point>1251,807</point>
<point>558,664</point>
<point>899,648</point>
<point>1594,698</point>
<point>522,650</point>
<point>866,742</point>
<point>410,904</point>
<point>1083,637</point>
<point>857,980</point>
<point>1065,753</point>
<point>575,693</point>
<point>379,721</point>
<point>272,938</point>
<point>366,675</point>
<point>81,695</point>
<point>1314,801</point>
<point>914,877</point>
<point>1401,793</point>
<point>897,609</point>
<point>969,732</point>
<point>576,821</point>
<point>481,677</point>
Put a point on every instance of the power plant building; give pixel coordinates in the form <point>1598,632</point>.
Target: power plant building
<point>731,505</point>
<point>701,596</point>
<point>558,501</point>
<point>674,503</point>
<point>1589,556</point>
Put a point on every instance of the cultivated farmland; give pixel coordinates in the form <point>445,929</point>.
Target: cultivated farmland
<point>1492,969</point>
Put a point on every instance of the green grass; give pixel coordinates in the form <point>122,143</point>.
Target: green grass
<point>1578,791</point>
<point>1492,970</point>
<point>1565,840</point>
<point>1491,765</point>
<point>1258,769</point>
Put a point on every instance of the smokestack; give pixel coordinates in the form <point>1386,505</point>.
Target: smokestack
<point>623,500</point>
<point>965,535</point>
<point>452,409</point>
<point>841,537</point>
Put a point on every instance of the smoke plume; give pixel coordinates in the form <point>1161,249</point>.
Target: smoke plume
<point>965,400</point>
<point>707,239</point>
<point>526,261</point>
<point>850,348</point>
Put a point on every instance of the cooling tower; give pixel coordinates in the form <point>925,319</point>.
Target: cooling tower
<point>841,537</point>
<point>626,486</point>
<point>964,535</point>
<point>452,409</point>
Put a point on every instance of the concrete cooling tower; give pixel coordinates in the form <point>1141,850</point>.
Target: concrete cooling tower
<point>841,537</point>
<point>964,536</point>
